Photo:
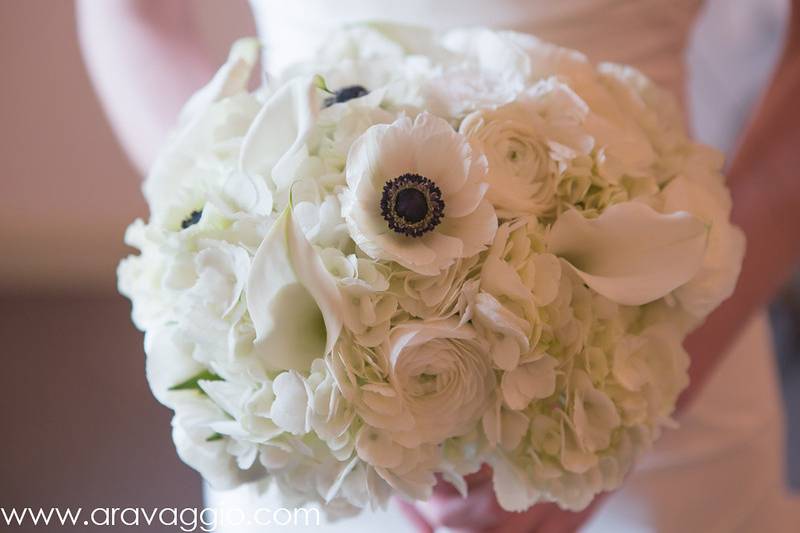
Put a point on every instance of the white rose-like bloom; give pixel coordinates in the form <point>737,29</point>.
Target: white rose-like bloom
<point>442,372</point>
<point>415,195</point>
<point>529,143</point>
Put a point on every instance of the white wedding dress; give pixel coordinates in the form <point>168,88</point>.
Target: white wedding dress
<point>722,470</point>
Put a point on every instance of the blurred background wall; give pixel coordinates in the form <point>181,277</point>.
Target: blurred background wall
<point>67,192</point>
<point>79,426</point>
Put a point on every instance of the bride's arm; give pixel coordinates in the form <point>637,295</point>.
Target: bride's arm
<point>145,59</point>
<point>765,183</point>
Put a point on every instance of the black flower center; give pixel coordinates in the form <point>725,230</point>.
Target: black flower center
<point>346,93</point>
<point>412,205</point>
<point>192,219</point>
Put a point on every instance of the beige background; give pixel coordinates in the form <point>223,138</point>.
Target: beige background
<point>67,192</point>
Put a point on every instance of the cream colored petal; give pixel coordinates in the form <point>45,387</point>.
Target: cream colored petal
<point>476,230</point>
<point>293,301</point>
<point>440,153</point>
<point>280,129</point>
<point>446,247</point>
<point>630,254</point>
<point>466,200</point>
<point>528,382</point>
<point>230,79</point>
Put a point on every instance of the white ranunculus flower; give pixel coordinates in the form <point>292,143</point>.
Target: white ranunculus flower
<point>363,375</point>
<point>529,144</point>
<point>415,195</point>
<point>442,373</point>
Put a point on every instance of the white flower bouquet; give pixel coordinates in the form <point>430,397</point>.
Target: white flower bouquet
<point>420,253</point>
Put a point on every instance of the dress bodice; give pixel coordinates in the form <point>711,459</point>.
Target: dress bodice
<point>650,35</point>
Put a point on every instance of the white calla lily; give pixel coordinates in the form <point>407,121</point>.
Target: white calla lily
<point>631,254</point>
<point>230,79</point>
<point>293,301</point>
<point>279,131</point>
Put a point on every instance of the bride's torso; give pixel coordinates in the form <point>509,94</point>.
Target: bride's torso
<point>650,35</point>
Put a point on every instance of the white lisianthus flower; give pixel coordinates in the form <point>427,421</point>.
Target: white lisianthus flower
<point>415,195</point>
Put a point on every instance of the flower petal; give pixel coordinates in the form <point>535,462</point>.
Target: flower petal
<point>290,297</point>
<point>529,382</point>
<point>280,129</point>
<point>631,254</point>
<point>476,230</point>
<point>230,79</point>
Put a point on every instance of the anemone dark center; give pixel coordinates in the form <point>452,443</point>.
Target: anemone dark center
<point>412,205</point>
<point>192,219</point>
<point>345,94</point>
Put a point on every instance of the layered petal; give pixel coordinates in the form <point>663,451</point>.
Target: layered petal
<point>293,301</point>
<point>631,254</point>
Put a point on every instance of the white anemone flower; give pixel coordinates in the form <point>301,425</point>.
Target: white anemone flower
<point>415,195</point>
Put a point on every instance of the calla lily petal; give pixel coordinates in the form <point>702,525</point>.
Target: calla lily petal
<point>290,297</point>
<point>230,79</point>
<point>631,254</point>
<point>280,129</point>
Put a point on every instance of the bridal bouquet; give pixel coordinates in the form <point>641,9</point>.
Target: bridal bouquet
<point>418,253</point>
